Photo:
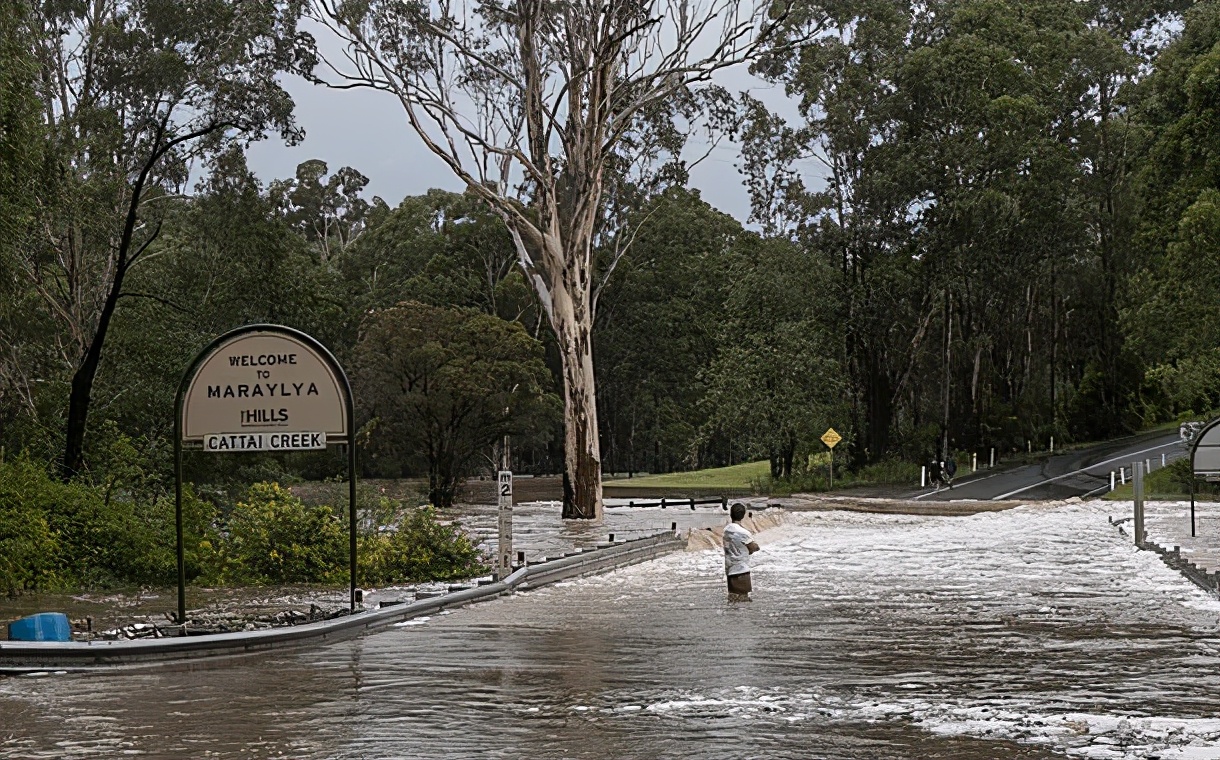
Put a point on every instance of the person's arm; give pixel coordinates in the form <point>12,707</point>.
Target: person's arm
<point>752,546</point>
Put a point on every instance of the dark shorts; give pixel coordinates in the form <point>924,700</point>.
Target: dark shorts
<point>739,584</point>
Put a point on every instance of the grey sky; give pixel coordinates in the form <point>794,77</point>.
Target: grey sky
<point>367,130</point>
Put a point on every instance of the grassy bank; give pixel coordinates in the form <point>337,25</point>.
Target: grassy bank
<point>747,476</point>
<point>755,477</point>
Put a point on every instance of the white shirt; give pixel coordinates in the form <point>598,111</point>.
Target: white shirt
<point>736,555</point>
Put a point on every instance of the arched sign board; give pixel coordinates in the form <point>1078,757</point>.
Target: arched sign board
<point>1204,461</point>
<point>263,388</point>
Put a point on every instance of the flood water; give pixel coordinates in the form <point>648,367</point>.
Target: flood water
<point>1030,633</point>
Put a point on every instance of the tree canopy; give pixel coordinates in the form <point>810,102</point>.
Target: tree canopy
<point>442,387</point>
<point>985,223</point>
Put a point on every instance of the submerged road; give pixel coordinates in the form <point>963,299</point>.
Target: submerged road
<point>1081,472</point>
<point>1027,633</point>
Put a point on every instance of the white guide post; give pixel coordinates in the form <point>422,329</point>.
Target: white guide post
<point>1138,475</point>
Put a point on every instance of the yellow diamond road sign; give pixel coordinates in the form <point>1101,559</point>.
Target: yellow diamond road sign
<point>830,438</point>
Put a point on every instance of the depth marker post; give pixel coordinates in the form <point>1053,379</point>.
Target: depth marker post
<point>504,489</point>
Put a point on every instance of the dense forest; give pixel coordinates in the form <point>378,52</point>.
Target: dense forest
<point>986,223</point>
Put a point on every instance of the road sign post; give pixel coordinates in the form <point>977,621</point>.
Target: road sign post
<point>263,388</point>
<point>830,438</point>
<point>1204,443</point>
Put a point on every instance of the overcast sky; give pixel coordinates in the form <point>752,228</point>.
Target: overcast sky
<point>366,130</point>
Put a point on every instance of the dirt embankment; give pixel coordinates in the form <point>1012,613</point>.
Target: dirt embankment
<point>828,503</point>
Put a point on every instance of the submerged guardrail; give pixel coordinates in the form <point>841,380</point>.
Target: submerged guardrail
<point>190,652</point>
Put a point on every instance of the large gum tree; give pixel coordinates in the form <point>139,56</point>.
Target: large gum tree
<point>529,102</point>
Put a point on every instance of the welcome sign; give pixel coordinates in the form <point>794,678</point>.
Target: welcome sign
<point>264,391</point>
<point>263,388</point>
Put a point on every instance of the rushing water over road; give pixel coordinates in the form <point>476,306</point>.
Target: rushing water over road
<point>1030,633</point>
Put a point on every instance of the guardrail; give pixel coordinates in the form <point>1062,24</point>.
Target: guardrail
<point>192,652</point>
<point>665,502</point>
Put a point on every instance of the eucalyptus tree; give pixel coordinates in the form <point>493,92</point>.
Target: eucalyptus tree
<point>442,386</point>
<point>329,212</point>
<point>657,328</point>
<point>132,94</point>
<point>21,173</point>
<point>440,248</point>
<point>1178,235</point>
<point>859,212</point>
<point>775,382</point>
<point>527,102</point>
<point>972,159</point>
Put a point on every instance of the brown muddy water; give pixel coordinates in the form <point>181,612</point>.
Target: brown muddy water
<point>1030,633</point>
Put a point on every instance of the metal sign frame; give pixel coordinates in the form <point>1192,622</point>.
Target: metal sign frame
<point>1208,474</point>
<point>348,409</point>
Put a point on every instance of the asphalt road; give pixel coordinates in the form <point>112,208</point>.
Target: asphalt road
<point>1073,473</point>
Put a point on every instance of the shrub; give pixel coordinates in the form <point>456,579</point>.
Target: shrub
<point>29,551</point>
<point>1177,478</point>
<point>421,548</point>
<point>99,541</point>
<point>273,537</point>
<point>55,534</point>
<point>892,472</point>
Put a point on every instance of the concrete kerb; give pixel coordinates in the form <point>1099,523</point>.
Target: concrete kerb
<point>760,520</point>
<point>193,652</point>
<point>1173,558</point>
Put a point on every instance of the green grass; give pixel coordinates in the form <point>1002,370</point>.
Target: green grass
<point>1166,484</point>
<point>738,476</point>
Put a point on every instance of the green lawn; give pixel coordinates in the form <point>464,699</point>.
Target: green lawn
<point>738,476</point>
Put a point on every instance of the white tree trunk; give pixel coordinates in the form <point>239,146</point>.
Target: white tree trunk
<point>573,325</point>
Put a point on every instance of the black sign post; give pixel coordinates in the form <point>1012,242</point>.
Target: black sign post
<point>311,402</point>
<point>1204,461</point>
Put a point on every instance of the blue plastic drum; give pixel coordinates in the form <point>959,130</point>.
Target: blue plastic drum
<point>45,626</point>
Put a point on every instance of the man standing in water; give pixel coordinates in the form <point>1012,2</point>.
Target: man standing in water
<point>738,546</point>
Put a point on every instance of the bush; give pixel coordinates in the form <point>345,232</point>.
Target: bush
<point>96,540</point>
<point>891,472</point>
<point>61,535</point>
<point>421,548</point>
<point>55,534</point>
<point>1176,477</point>
<point>29,551</point>
<point>272,537</point>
